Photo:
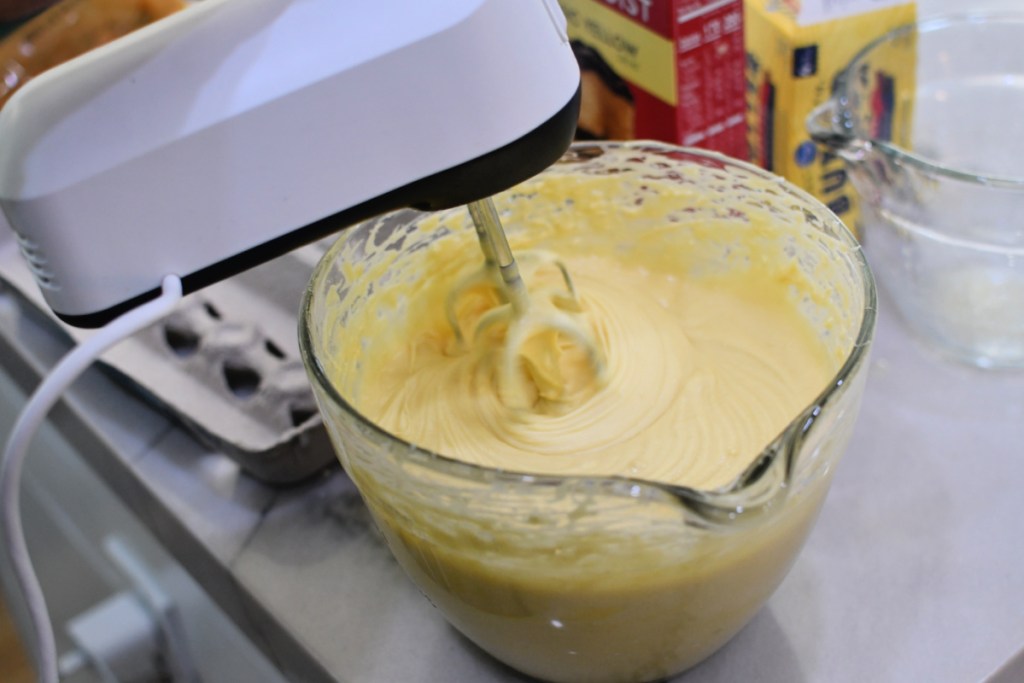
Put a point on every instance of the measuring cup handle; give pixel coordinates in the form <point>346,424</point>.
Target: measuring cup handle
<point>826,127</point>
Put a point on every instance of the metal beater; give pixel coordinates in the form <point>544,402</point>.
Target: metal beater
<point>523,317</point>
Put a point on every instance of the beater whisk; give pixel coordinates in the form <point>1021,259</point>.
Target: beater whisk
<point>553,312</point>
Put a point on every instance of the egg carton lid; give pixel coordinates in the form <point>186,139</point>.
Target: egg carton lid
<point>225,363</point>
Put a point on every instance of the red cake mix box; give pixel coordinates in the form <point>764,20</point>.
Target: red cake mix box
<point>670,70</point>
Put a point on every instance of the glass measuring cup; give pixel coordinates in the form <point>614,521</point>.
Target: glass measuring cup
<point>617,579</point>
<point>942,212</point>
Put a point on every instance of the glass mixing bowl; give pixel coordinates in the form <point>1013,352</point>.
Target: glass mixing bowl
<point>943,210</point>
<point>570,578</point>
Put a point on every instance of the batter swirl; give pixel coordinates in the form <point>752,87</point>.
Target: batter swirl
<point>702,372</point>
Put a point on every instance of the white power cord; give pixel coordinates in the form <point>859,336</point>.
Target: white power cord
<point>45,396</point>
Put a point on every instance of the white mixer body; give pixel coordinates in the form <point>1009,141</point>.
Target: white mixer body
<point>236,129</point>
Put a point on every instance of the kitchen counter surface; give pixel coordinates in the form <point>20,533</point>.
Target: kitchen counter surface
<point>913,571</point>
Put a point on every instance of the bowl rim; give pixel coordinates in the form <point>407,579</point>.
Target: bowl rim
<point>751,494</point>
<point>898,154</point>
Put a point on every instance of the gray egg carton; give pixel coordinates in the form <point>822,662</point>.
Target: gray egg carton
<point>226,364</point>
<point>237,384</point>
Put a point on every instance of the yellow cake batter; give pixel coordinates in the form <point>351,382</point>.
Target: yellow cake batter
<point>715,335</point>
<point>702,372</point>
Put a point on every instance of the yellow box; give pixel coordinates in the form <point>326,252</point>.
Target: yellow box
<point>794,54</point>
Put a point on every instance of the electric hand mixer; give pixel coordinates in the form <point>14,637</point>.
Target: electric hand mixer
<point>236,130</point>
<point>232,132</point>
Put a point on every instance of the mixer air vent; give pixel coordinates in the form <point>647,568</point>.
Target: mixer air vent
<point>37,263</point>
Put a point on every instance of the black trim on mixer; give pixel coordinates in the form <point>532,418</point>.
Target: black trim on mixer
<point>475,179</point>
